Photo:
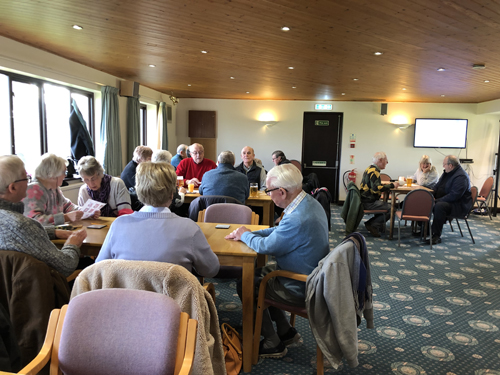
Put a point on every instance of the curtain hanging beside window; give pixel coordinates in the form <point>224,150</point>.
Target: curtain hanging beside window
<point>133,126</point>
<point>110,131</point>
<point>162,126</point>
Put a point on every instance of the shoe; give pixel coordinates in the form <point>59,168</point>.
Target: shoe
<point>416,234</point>
<point>276,352</point>
<point>373,231</point>
<point>291,337</point>
<point>435,240</point>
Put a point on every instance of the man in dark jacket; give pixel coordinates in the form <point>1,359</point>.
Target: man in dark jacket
<point>249,167</point>
<point>452,193</point>
<point>279,158</point>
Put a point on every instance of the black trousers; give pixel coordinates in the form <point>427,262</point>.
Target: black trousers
<point>443,210</point>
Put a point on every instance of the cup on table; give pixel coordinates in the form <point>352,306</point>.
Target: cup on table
<point>254,188</point>
<point>180,181</point>
<point>191,187</point>
<point>409,181</point>
<point>401,180</point>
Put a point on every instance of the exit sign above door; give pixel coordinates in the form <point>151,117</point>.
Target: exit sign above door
<point>327,107</point>
<point>321,122</point>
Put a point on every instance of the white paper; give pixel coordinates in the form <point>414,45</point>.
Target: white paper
<point>90,207</point>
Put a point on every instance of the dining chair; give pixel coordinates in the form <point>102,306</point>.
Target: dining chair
<point>484,195</point>
<point>228,213</point>
<point>385,178</point>
<point>473,193</point>
<point>417,207</point>
<point>118,331</point>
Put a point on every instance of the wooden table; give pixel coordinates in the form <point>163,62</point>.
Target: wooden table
<point>262,200</point>
<point>404,190</point>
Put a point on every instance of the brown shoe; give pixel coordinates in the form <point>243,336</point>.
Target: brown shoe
<point>373,231</point>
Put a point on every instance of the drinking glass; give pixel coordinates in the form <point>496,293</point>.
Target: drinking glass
<point>254,188</point>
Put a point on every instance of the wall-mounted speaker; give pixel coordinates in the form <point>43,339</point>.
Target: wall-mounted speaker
<point>129,88</point>
<point>383,109</point>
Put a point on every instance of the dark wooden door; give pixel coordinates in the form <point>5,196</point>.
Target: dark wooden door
<point>322,134</point>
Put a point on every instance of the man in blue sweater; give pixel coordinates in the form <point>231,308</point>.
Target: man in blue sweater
<point>298,244</point>
<point>225,180</point>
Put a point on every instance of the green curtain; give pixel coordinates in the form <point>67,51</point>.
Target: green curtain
<point>110,131</point>
<point>133,126</point>
<point>164,132</point>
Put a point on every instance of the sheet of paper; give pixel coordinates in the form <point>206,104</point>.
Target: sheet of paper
<point>90,207</point>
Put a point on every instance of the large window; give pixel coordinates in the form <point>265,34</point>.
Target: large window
<point>40,117</point>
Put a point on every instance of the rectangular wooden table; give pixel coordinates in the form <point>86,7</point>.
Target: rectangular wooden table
<point>230,253</point>
<point>262,200</point>
<point>404,190</point>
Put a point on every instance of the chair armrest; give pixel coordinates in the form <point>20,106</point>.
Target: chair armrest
<point>283,273</point>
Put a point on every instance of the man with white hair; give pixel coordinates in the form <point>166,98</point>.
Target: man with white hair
<point>20,233</point>
<point>298,244</point>
<point>225,180</point>
<point>181,154</point>
<point>371,189</point>
<point>193,168</point>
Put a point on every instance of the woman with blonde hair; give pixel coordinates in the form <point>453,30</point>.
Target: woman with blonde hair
<point>44,200</point>
<point>426,174</point>
<point>155,233</point>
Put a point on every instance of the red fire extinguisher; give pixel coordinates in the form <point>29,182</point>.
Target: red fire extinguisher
<point>352,175</point>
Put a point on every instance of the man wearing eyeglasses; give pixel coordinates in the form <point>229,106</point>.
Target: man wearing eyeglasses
<point>279,158</point>
<point>20,233</point>
<point>193,168</point>
<point>298,244</point>
<point>452,193</point>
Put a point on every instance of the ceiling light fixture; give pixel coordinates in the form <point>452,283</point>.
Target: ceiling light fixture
<point>294,87</point>
<point>173,99</point>
<point>486,81</point>
<point>442,95</point>
<point>204,51</point>
<point>343,93</point>
<point>152,66</point>
<point>290,67</point>
<point>404,88</point>
<point>378,53</point>
<point>441,69</point>
<point>231,77</point>
<point>189,84</point>
<point>355,79</point>
<point>248,92</point>
<point>285,28</point>
<point>76,27</point>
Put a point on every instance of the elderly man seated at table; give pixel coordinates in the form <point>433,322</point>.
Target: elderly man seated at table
<point>280,158</point>
<point>193,168</point>
<point>20,233</point>
<point>371,189</point>
<point>181,154</point>
<point>160,235</point>
<point>225,180</point>
<point>249,166</point>
<point>298,244</point>
<point>453,196</point>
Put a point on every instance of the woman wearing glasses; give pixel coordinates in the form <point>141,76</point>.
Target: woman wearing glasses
<point>44,200</point>
<point>103,188</point>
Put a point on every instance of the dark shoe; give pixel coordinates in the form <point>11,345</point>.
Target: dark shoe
<point>416,234</point>
<point>373,231</point>
<point>435,240</point>
<point>276,352</point>
<point>291,337</point>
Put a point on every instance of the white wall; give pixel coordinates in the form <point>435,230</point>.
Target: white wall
<point>237,126</point>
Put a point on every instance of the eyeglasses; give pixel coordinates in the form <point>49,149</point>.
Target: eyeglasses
<point>28,178</point>
<point>267,191</point>
<point>197,153</point>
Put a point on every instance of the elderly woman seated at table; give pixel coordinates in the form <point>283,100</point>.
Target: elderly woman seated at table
<point>44,200</point>
<point>156,234</point>
<point>102,188</point>
<point>426,174</point>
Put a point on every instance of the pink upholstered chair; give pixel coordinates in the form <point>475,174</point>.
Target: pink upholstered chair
<point>230,213</point>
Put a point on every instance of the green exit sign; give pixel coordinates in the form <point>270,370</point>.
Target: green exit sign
<point>321,122</point>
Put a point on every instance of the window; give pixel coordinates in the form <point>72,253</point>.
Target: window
<point>40,117</point>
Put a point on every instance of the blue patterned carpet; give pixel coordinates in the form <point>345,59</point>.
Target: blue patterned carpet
<point>436,311</point>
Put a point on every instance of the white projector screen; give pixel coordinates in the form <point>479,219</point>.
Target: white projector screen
<point>440,133</point>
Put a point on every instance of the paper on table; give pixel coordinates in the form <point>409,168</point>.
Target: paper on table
<point>90,207</point>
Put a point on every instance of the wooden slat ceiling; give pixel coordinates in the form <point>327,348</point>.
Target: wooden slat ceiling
<point>330,43</point>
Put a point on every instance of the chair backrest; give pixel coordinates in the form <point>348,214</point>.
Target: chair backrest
<point>297,164</point>
<point>418,203</point>
<point>120,331</point>
<point>228,213</point>
<point>385,178</point>
<point>473,194</point>
<point>486,188</point>
<point>204,201</point>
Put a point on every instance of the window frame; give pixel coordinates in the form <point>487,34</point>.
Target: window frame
<point>143,113</point>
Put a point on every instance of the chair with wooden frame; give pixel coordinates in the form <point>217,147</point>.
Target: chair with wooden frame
<point>484,195</point>
<point>228,213</point>
<point>473,193</point>
<point>119,331</point>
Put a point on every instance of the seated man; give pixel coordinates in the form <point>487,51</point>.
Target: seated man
<point>225,180</point>
<point>141,154</point>
<point>452,193</point>
<point>255,173</point>
<point>371,189</point>
<point>181,155</point>
<point>279,158</point>
<point>298,244</point>
<point>20,233</point>
<point>193,168</point>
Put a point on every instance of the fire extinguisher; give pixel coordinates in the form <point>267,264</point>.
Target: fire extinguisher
<point>352,175</point>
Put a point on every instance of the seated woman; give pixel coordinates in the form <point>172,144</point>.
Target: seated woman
<point>166,156</point>
<point>156,234</point>
<point>103,188</point>
<point>44,200</point>
<point>426,174</point>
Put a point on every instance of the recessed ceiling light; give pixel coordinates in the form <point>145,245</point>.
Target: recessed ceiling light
<point>285,28</point>
<point>486,81</point>
<point>404,88</point>
<point>189,84</point>
<point>204,51</point>
<point>294,87</point>
<point>343,93</point>
<point>442,95</point>
<point>231,77</point>
<point>355,79</point>
<point>76,27</point>
<point>441,69</point>
<point>290,67</point>
<point>248,92</point>
<point>378,53</point>
<point>152,65</point>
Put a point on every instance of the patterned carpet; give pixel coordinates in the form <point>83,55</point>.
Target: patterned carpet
<point>436,311</point>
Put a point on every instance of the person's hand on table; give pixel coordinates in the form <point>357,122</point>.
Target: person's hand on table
<point>182,190</point>
<point>237,233</point>
<point>73,216</point>
<point>63,234</point>
<point>76,238</point>
<point>97,214</point>
<point>396,184</point>
<point>194,181</point>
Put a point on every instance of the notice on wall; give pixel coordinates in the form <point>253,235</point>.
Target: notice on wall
<point>351,159</point>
